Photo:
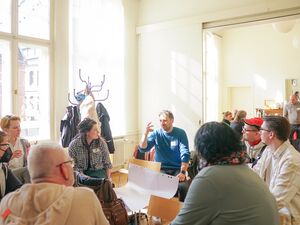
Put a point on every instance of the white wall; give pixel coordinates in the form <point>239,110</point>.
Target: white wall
<point>155,11</point>
<point>170,77</point>
<point>261,58</point>
<point>131,66</point>
<point>61,65</point>
<point>167,26</point>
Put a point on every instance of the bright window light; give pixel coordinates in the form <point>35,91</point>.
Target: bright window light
<point>97,49</point>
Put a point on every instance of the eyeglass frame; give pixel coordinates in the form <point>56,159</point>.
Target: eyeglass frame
<point>262,129</point>
<point>245,130</point>
<point>7,145</point>
<point>68,161</point>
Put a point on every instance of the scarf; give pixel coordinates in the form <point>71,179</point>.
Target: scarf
<point>235,158</point>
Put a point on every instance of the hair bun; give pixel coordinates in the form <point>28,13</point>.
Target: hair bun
<point>86,125</point>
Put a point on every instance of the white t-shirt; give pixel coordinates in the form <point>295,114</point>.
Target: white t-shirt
<point>17,162</point>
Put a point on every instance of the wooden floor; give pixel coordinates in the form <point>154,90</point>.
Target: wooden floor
<point>119,180</point>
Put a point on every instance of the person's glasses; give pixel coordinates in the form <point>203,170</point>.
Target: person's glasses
<point>246,130</point>
<point>3,147</point>
<point>263,129</point>
<point>71,161</point>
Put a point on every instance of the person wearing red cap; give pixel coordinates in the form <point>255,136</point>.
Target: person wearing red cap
<point>251,137</point>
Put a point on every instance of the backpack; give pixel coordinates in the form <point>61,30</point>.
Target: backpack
<point>113,207</point>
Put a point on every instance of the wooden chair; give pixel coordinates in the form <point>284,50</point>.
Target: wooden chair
<point>144,163</point>
<point>166,209</point>
<point>147,164</point>
<point>282,219</point>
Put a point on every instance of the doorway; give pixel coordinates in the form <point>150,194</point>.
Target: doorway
<point>255,60</point>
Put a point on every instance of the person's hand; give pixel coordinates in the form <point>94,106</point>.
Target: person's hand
<point>181,177</point>
<point>17,154</point>
<point>149,127</point>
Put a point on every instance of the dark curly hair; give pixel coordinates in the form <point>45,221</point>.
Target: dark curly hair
<point>214,141</point>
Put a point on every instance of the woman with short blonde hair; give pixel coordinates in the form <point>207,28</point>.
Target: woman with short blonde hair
<point>11,124</point>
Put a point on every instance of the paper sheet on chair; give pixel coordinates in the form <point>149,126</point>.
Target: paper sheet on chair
<point>142,183</point>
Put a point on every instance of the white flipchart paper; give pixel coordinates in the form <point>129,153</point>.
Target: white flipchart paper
<point>142,183</point>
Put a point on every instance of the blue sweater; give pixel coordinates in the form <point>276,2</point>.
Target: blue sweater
<point>171,149</point>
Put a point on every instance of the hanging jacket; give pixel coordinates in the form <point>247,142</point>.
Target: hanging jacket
<point>105,127</point>
<point>88,110</point>
<point>68,125</point>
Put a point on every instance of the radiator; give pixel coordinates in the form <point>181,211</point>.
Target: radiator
<point>124,148</point>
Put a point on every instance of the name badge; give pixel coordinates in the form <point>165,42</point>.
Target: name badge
<point>95,150</point>
<point>173,143</point>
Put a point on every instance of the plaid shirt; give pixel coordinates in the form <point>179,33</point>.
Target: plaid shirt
<point>98,151</point>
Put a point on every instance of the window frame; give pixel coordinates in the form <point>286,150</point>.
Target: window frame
<point>15,39</point>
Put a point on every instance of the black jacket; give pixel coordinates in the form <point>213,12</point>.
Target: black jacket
<point>105,128</point>
<point>68,125</point>
<point>12,183</point>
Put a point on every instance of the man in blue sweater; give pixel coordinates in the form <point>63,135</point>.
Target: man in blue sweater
<point>171,149</point>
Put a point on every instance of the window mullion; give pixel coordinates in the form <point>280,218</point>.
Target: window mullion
<point>14,56</point>
<point>14,71</point>
<point>14,19</point>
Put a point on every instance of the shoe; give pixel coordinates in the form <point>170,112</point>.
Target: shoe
<point>156,220</point>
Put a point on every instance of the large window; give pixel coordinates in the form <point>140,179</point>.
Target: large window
<point>25,64</point>
<point>96,44</point>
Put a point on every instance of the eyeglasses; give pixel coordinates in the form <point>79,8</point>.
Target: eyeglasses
<point>69,161</point>
<point>245,130</point>
<point>5,147</point>
<point>263,129</point>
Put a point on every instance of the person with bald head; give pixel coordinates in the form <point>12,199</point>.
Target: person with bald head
<point>292,113</point>
<point>50,198</point>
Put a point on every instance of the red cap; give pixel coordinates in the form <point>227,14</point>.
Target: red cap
<point>256,121</point>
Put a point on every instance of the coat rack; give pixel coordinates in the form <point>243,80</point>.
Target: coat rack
<point>89,89</point>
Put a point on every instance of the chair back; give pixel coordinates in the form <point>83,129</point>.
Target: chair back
<point>147,164</point>
<point>166,209</point>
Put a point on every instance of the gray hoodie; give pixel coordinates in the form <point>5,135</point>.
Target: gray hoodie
<point>48,203</point>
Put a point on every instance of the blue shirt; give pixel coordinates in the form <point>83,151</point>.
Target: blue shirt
<point>171,149</point>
